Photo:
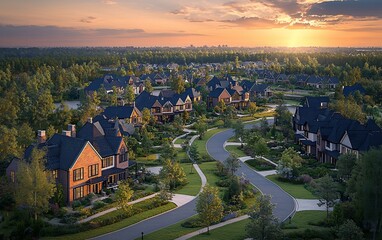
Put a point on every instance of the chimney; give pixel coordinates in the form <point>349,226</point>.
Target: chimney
<point>66,133</point>
<point>72,129</point>
<point>90,120</point>
<point>41,137</point>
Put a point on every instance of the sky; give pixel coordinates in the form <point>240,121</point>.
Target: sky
<point>180,23</point>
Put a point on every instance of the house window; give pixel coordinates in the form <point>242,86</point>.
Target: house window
<point>327,144</point>
<point>13,176</point>
<point>78,174</point>
<point>78,192</point>
<point>124,155</point>
<point>93,170</point>
<point>108,162</point>
<point>55,174</point>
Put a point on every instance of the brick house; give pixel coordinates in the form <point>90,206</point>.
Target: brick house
<point>82,163</point>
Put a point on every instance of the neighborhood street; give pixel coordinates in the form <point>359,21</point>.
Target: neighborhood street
<point>284,203</point>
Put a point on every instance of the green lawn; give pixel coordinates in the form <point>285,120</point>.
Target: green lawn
<point>194,182</point>
<point>233,231</point>
<point>236,150</point>
<point>209,169</point>
<point>116,226</point>
<point>201,144</point>
<point>300,222</point>
<point>296,190</point>
<point>181,140</point>
<point>171,232</point>
<point>260,164</point>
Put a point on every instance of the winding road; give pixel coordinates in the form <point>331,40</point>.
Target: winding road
<point>284,203</point>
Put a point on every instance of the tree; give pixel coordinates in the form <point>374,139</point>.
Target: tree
<point>345,165</point>
<point>290,160</point>
<point>129,95</point>
<point>178,84</point>
<point>327,191</point>
<point>201,127</point>
<point>252,108</point>
<point>123,195</point>
<point>232,163</point>
<point>113,98</point>
<point>239,129</point>
<point>8,143</point>
<point>209,206</point>
<point>146,116</point>
<point>260,147</point>
<point>349,231</point>
<point>220,107</point>
<point>34,184</point>
<point>42,109</point>
<point>263,225</point>
<point>89,106</point>
<point>173,174</point>
<point>25,135</point>
<point>194,154</point>
<point>168,151</point>
<point>148,87</point>
<point>369,188</point>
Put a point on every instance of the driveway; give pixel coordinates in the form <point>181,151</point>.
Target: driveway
<point>284,203</point>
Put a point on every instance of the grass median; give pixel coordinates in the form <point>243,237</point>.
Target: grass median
<point>296,190</point>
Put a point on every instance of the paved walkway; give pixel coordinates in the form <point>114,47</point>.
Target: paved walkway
<point>185,210</point>
<point>115,208</point>
<point>309,204</point>
<point>188,131</point>
<point>204,230</point>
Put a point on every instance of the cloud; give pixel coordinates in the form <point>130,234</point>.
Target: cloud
<point>110,2</point>
<point>33,35</point>
<point>89,19</point>
<point>354,8</point>
<point>255,22</point>
<point>287,6</point>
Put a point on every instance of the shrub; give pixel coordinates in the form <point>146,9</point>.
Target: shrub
<point>192,223</point>
<point>219,123</point>
<point>98,204</point>
<point>305,178</point>
<point>223,183</point>
<point>107,200</point>
<point>76,204</point>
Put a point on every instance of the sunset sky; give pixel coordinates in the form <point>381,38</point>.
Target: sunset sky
<point>249,23</point>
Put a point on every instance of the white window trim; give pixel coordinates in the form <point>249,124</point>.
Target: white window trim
<point>111,165</point>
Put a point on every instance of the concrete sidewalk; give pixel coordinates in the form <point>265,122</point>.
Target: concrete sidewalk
<point>204,230</point>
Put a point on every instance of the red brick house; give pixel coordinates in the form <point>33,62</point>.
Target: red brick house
<point>83,163</point>
<point>215,96</point>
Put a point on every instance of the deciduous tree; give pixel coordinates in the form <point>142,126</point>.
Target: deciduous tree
<point>263,224</point>
<point>34,184</point>
<point>123,196</point>
<point>209,206</point>
<point>327,191</point>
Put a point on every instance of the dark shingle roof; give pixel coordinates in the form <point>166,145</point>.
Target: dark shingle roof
<point>216,93</point>
<point>120,112</point>
<point>315,102</point>
<point>348,90</point>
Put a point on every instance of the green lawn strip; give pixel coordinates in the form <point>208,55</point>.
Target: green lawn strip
<point>171,232</point>
<point>300,222</point>
<point>233,231</point>
<point>306,220</point>
<point>151,157</point>
<point>194,182</point>
<point>201,144</point>
<point>260,164</point>
<point>181,155</point>
<point>296,190</point>
<point>116,226</point>
<point>235,149</point>
<point>209,168</point>
<point>180,140</point>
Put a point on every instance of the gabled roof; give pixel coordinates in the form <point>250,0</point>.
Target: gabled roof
<point>120,112</point>
<point>258,87</point>
<point>352,89</point>
<point>314,79</point>
<point>247,85</point>
<point>191,92</point>
<point>217,92</point>
<point>315,102</point>
<point>109,81</point>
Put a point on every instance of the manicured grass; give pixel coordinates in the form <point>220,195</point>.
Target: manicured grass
<point>181,155</point>
<point>260,164</point>
<point>209,169</point>
<point>296,190</point>
<point>180,140</point>
<point>236,150</point>
<point>194,182</point>
<point>116,226</point>
<point>233,231</point>
<point>171,232</point>
<point>304,219</point>
<point>300,222</point>
<point>201,144</point>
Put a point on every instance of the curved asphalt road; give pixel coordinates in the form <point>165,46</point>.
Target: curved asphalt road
<point>284,203</point>
<point>152,224</point>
